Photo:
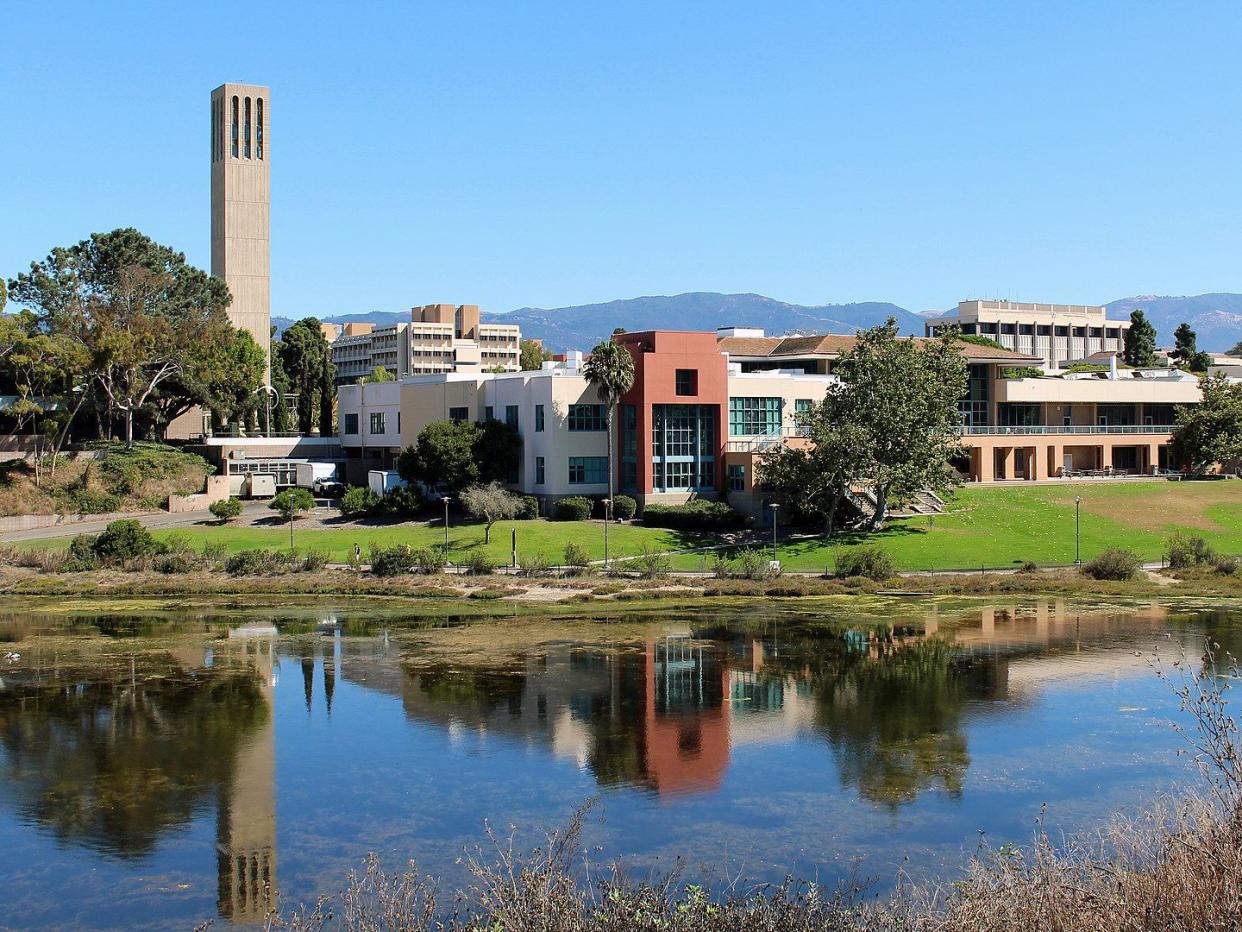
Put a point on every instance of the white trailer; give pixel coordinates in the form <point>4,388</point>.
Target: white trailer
<point>307,473</point>
<point>383,481</point>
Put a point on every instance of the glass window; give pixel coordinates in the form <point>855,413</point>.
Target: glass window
<point>539,470</point>
<point>1061,331</point>
<point>489,413</point>
<point>687,381</point>
<point>234,128</point>
<point>377,422</point>
<point>587,417</point>
<point>1008,329</point>
<point>538,418</point>
<point>588,470</point>
<point>1080,331</point>
<point>1017,414</point>
<point>1097,331</point>
<point>246,131</point>
<point>1112,333</point>
<point>1043,330</point>
<point>258,137</point>
<point>457,415</point>
<point>751,416</point>
<point>351,423</point>
<point>511,416</point>
<point>1026,330</point>
<point>737,477</point>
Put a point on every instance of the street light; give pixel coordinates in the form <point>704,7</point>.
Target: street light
<point>269,392</point>
<point>1077,530</point>
<point>773,506</point>
<point>446,499</point>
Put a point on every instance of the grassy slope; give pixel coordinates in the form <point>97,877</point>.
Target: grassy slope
<point>997,527</point>
<point>994,527</point>
<point>546,537</point>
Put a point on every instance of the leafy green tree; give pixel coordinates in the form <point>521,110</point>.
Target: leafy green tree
<point>224,377</point>
<point>498,452</point>
<point>307,367</point>
<point>1186,350</point>
<point>1237,349</point>
<point>281,421</point>
<point>610,369</point>
<point>532,355</point>
<point>491,502</point>
<point>813,480</point>
<point>327,392</point>
<point>138,311</point>
<point>1211,431</point>
<point>903,396</point>
<point>378,374</point>
<point>1140,341</point>
<point>226,509</point>
<point>442,455</point>
<point>455,455</point>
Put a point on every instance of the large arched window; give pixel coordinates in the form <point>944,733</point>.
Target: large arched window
<point>246,145</point>
<point>234,130</point>
<point>258,128</point>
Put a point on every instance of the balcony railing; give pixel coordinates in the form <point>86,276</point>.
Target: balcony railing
<point>758,443</point>
<point>998,430</point>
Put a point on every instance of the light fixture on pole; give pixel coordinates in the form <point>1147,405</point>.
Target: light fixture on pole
<point>269,392</point>
<point>1078,530</point>
<point>446,499</point>
<point>607,519</point>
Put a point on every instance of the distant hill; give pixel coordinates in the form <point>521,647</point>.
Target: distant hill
<point>582,326</point>
<point>1215,318</point>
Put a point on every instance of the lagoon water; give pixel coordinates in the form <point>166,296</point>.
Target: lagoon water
<point>162,767</point>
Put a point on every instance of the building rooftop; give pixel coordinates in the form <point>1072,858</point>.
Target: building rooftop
<point>833,344</point>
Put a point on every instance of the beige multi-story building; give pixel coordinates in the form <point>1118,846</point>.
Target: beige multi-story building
<point>1057,333</point>
<point>437,338</point>
<point>241,119</point>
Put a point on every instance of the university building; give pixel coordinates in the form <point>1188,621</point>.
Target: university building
<point>705,407</point>
<point>1059,334</point>
<point>437,338</point>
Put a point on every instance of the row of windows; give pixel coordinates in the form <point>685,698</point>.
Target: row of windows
<point>587,417</point>
<point>252,111</point>
<point>754,416</point>
<point>378,423</point>
<point>1041,330</point>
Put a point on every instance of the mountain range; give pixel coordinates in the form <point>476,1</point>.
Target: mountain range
<point>1216,318</point>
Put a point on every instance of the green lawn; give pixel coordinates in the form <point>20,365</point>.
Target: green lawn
<point>546,537</point>
<point>1000,526</point>
<point>985,526</point>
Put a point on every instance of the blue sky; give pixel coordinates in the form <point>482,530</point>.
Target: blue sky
<point>513,154</point>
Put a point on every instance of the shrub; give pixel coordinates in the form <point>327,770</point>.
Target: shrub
<point>652,564</point>
<point>357,500</point>
<point>403,502</point>
<point>1114,563</point>
<point>530,508</point>
<point>314,561</point>
<point>91,501</point>
<point>752,564</point>
<point>576,555</point>
<point>291,502</point>
<point>430,560</point>
<point>1187,550</point>
<point>698,515</point>
<point>1225,566</point>
<point>175,564</point>
<point>721,568</point>
<point>214,555</point>
<point>575,508</point>
<point>1029,566</point>
<point>257,563</point>
<point>226,509</point>
<point>392,561</point>
<point>480,564</point>
<point>82,556</point>
<point>535,565</point>
<point>124,540</point>
<point>869,561</point>
<point>624,507</point>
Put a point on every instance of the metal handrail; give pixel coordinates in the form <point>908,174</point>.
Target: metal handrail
<point>998,430</point>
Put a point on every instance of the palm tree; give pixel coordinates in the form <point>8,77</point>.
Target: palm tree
<point>611,370</point>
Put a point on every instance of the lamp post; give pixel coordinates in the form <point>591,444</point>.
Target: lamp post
<point>1077,530</point>
<point>269,392</point>
<point>446,499</point>
<point>773,506</point>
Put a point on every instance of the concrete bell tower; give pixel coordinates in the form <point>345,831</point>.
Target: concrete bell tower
<point>241,204</point>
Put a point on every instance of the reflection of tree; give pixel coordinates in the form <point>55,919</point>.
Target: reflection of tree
<point>111,760</point>
<point>893,719</point>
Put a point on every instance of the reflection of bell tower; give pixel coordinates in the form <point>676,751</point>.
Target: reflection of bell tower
<point>246,819</point>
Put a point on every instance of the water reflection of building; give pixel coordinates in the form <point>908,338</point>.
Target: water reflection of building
<point>246,814</point>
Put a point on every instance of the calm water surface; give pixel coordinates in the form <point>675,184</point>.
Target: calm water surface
<point>165,767</point>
